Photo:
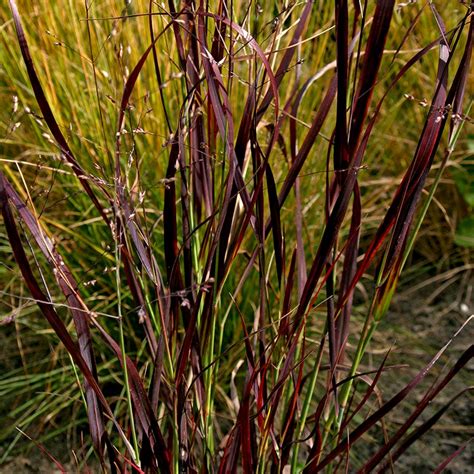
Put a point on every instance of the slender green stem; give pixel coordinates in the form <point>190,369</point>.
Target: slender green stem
<point>306,406</point>
<point>124,355</point>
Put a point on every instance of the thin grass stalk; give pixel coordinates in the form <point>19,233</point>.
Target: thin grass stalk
<point>135,452</point>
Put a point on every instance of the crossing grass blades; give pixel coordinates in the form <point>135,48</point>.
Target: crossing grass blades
<point>245,360</point>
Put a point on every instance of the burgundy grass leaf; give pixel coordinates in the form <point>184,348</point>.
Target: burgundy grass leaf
<point>48,113</point>
<point>47,453</point>
<point>68,286</point>
<point>389,218</point>
<point>373,57</point>
<point>420,407</point>
<point>393,402</point>
<point>308,142</point>
<point>442,466</point>
<point>284,323</point>
<point>275,219</point>
<point>342,38</point>
<point>142,405</point>
<point>47,308</point>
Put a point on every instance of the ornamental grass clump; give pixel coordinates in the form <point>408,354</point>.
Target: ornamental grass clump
<point>198,231</point>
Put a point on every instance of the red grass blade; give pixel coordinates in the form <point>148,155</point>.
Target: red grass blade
<point>422,429</point>
<point>394,401</point>
<point>48,113</point>
<point>69,287</point>
<point>441,468</point>
<point>47,308</point>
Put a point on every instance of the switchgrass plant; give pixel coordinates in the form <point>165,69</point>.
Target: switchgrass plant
<point>184,190</point>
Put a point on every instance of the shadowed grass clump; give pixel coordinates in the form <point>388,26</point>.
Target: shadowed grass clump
<point>189,201</point>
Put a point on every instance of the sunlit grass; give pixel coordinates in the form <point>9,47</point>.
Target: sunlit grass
<point>189,288</point>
